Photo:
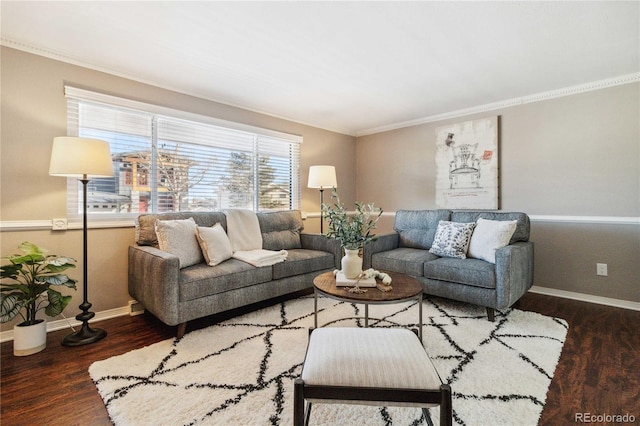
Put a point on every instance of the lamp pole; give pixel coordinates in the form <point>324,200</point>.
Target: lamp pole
<point>321,212</point>
<point>86,334</point>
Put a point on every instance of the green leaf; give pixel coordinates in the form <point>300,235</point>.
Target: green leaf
<point>30,248</point>
<point>57,303</point>
<point>9,306</point>
<point>10,271</point>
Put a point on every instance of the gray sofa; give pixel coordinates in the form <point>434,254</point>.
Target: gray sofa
<point>177,295</point>
<point>476,281</point>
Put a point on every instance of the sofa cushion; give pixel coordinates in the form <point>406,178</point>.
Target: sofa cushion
<point>404,260</point>
<point>145,223</point>
<point>178,237</point>
<point>281,230</point>
<point>214,243</point>
<point>488,236</point>
<point>452,239</point>
<point>417,228</point>
<point>522,228</point>
<point>302,261</point>
<point>201,280</point>
<point>474,272</point>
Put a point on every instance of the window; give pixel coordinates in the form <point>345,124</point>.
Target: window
<point>169,161</point>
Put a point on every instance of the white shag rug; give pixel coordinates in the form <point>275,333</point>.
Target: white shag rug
<point>241,371</point>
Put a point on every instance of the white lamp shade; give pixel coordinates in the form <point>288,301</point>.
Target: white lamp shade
<point>322,177</point>
<point>72,156</point>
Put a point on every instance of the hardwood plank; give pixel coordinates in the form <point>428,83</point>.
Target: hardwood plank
<point>598,372</point>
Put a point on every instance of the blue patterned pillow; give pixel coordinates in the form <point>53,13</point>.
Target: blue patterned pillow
<point>452,239</point>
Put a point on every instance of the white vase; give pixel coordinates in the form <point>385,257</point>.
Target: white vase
<point>351,263</point>
<point>29,339</point>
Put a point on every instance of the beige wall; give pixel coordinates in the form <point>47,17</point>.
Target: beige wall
<point>572,156</point>
<point>34,112</point>
<point>566,157</point>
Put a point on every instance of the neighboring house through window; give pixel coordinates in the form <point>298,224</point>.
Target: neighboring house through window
<point>169,161</point>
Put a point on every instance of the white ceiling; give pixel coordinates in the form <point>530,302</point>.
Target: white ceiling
<point>346,66</point>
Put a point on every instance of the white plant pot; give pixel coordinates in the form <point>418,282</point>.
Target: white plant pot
<point>29,339</point>
<point>351,263</point>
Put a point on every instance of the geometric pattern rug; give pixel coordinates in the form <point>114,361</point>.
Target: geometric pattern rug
<point>241,371</point>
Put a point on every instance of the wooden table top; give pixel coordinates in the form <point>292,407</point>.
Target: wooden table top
<point>404,287</point>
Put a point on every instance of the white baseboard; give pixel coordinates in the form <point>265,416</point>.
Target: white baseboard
<point>5,336</point>
<point>626,304</point>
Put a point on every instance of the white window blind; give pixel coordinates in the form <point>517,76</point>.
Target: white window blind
<point>166,160</point>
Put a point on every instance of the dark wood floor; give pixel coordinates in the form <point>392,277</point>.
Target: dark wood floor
<point>598,372</point>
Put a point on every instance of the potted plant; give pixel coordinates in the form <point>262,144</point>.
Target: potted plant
<point>27,288</point>
<point>353,231</point>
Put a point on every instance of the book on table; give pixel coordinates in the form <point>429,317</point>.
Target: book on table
<point>342,281</point>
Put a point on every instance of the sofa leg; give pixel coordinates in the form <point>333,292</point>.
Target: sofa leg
<point>182,328</point>
<point>491,314</point>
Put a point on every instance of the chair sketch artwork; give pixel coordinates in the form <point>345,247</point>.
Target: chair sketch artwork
<point>466,160</point>
<point>464,164</point>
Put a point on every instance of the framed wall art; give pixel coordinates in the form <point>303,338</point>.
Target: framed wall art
<point>467,165</point>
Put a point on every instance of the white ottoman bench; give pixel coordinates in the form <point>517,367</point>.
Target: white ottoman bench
<point>370,366</point>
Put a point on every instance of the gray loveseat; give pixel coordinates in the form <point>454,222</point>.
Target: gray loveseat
<point>472,280</point>
<point>176,295</point>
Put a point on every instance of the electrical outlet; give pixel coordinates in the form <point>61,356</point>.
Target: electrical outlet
<point>59,224</point>
<point>601,269</point>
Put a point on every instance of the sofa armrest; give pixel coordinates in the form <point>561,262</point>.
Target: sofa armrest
<point>514,272</point>
<point>153,281</point>
<point>322,243</point>
<point>384,242</point>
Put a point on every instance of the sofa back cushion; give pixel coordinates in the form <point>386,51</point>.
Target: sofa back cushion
<point>522,227</point>
<point>417,228</point>
<point>281,230</point>
<point>146,223</point>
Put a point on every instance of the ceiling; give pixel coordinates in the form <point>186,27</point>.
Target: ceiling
<point>351,67</point>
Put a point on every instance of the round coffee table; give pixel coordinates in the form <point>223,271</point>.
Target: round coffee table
<point>405,288</point>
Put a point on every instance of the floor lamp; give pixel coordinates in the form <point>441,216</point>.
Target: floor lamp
<point>322,177</point>
<point>81,158</point>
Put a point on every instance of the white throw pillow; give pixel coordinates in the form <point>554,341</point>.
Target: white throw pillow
<point>452,239</point>
<point>178,237</point>
<point>489,236</point>
<point>214,243</point>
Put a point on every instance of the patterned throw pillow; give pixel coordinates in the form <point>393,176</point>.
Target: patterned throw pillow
<point>452,239</point>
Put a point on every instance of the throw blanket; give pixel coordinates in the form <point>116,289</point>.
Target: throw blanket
<point>243,230</point>
<point>261,257</point>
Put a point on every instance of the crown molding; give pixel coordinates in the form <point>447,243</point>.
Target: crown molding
<point>542,96</point>
<point>74,60</point>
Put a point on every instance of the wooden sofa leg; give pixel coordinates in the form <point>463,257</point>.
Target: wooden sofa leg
<point>491,314</point>
<point>182,328</point>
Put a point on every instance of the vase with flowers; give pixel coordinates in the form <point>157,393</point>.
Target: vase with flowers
<point>353,230</point>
